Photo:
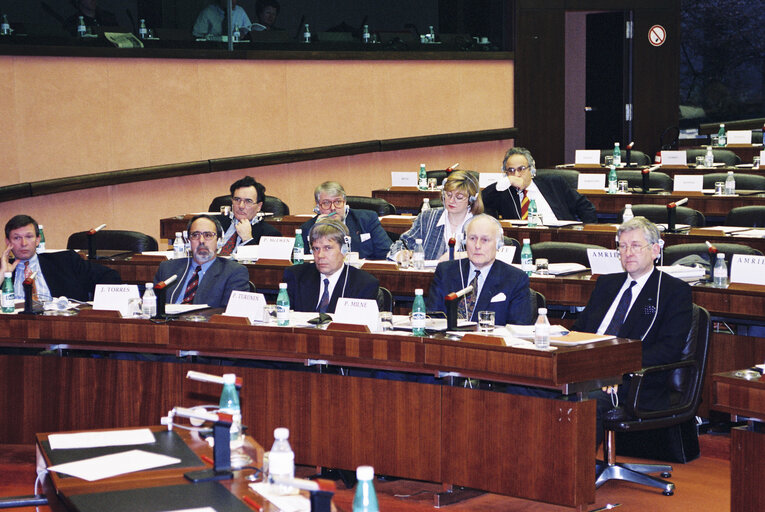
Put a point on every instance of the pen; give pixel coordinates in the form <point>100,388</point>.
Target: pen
<point>207,459</point>
<point>251,502</point>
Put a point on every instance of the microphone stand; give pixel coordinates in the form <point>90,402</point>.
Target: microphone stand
<point>645,174</point>
<point>29,303</point>
<point>92,245</point>
<point>452,243</point>
<point>671,218</point>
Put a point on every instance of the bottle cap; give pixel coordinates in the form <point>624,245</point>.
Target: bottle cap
<point>418,291</point>
<point>177,234</point>
<point>425,200</point>
<point>281,433</point>
<point>542,311</point>
<point>720,255</point>
<point>8,274</point>
<point>526,240</point>
<point>39,226</point>
<point>616,144</point>
<point>418,240</point>
<point>149,286</point>
<point>282,286</point>
<point>628,205</point>
<point>229,378</point>
<point>298,231</point>
<point>365,473</point>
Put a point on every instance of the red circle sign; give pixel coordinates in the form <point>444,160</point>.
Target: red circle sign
<point>657,35</point>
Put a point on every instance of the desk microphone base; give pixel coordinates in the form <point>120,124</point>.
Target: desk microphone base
<point>454,495</point>
<point>208,475</point>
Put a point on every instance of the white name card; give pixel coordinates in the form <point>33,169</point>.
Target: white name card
<point>487,178</point>
<point>506,253</point>
<point>762,159</point>
<point>589,181</point>
<point>403,179</point>
<point>276,247</point>
<point>246,304</point>
<point>674,158</point>
<point>739,136</point>
<point>747,269</point>
<point>357,312</point>
<point>114,297</point>
<point>587,156</point>
<point>689,183</point>
<point>604,261</point>
<point>247,253</point>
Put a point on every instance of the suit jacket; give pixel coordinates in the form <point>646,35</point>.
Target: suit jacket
<point>259,229</point>
<point>368,237</point>
<point>223,277</point>
<point>426,227</point>
<point>304,285</point>
<point>452,276</point>
<point>673,308</point>
<point>565,202</point>
<point>68,275</point>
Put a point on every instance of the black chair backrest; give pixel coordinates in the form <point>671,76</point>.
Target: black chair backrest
<point>440,175</point>
<point>673,253</point>
<point>218,202</point>
<point>563,252</point>
<point>725,156</point>
<point>570,175</point>
<point>657,214</point>
<point>114,240</point>
<point>743,181</point>
<point>509,241</point>
<point>537,301</point>
<point>636,157</point>
<point>656,179</point>
<point>384,299</point>
<point>271,204</point>
<point>379,206</point>
<point>688,381</point>
<point>752,216</point>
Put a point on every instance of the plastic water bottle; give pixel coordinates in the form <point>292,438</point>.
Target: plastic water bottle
<point>283,306</point>
<point>5,27</point>
<point>41,245</point>
<point>709,157</point>
<point>281,460</point>
<point>612,180</point>
<point>431,34</point>
<point>236,35</point>
<point>418,314</point>
<point>365,38</point>
<point>533,215</point>
<point>722,139</point>
<point>81,28</point>
<point>143,32</point>
<point>730,184</point>
<point>298,251</point>
<point>425,205</point>
<point>422,178</point>
<point>186,244</point>
<point>418,258</point>
<point>627,215</point>
<point>720,272</point>
<point>306,34</point>
<point>542,330</point>
<point>527,259</point>
<point>149,302</point>
<point>179,248</point>
<point>229,404</point>
<point>8,297</point>
<point>365,499</point>
<point>617,155</point>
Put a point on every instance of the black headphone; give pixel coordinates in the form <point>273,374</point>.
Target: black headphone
<point>471,199</point>
<point>345,247</point>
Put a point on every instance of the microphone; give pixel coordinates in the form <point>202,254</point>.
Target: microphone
<point>207,377</point>
<point>92,242</point>
<point>163,284</point>
<point>93,231</point>
<point>450,169</point>
<point>711,248</point>
<point>461,293</point>
<point>452,243</point>
<point>161,291</point>
<point>672,214</point>
<point>678,203</point>
<point>451,301</point>
<point>629,152</point>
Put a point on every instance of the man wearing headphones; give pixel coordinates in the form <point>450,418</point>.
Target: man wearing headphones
<point>497,286</point>
<point>317,286</point>
<point>368,237</point>
<point>203,278</point>
<point>243,226</point>
<point>509,197</point>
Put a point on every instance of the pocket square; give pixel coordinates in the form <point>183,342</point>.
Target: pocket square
<point>649,310</point>
<point>365,236</point>
<point>499,297</point>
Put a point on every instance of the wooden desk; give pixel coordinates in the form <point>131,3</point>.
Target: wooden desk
<point>478,438</point>
<point>741,397</point>
<point>671,171</point>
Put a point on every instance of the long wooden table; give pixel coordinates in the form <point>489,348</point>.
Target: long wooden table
<point>477,438</point>
<point>671,171</point>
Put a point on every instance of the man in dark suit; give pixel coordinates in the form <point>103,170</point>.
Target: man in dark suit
<point>368,237</point>
<point>317,286</point>
<point>509,197</point>
<point>499,287</point>
<point>62,273</point>
<point>244,226</point>
<point>203,278</point>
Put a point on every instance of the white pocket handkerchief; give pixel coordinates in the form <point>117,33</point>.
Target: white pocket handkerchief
<point>365,236</point>
<point>500,297</point>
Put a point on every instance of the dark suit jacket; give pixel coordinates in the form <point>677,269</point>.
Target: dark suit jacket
<point>361,224</point>
<point>304,285</point>
<point>502,278</point>
<point>565,202</point>
<point>68,275</point>
<point>259,229</point>
<point>673,308</point>
<point>223,277</point>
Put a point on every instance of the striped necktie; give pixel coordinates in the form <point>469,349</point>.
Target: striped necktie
<point>228,247</point>
<point>621,311</point>
<point>191,288</point>
<point>467,304</point>
<point>525,205</point>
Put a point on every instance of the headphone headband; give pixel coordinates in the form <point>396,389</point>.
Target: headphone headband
<point>468,176</point>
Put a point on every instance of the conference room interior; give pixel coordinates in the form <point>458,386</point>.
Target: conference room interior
<point>140,138</point>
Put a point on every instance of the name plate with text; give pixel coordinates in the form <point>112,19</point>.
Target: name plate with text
<point>748,269</point>
<point>587,157</point>
<point>114,297</point>
<point>357,312</point>
<point>246,304</point>
<point>276,247</point>
<point>688,183</point>
<point>604,261</point>
<point>403,179</point>
<point>679,158</point>
<point>591,181</point>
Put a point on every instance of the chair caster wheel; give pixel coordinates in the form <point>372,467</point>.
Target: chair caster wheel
<point>668,493</point>
<point>666,475</point>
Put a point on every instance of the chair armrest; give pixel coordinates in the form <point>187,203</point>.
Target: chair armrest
<point>633,396</point>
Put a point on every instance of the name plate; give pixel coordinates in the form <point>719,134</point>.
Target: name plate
<point>276,247</point>
<point>604,261</point>
<point>357,312</point>
<point>589,181</point>
<point>739,136</point>
<point>403,179</point>
<point>762,159</point>
<point>506,253</point>
<point>689,183</point>
<point>247,252</point>
<point>487,178</point>
<point>246,304</point>
<point>674,158</point>
<point>587,157</point>
<point>748,269</point>
<point>114,297</point>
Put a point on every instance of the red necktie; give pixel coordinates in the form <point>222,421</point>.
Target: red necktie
<point>191,288</point>
<point>27,275</point>
<point>228,247</point>
<point>524,206</point>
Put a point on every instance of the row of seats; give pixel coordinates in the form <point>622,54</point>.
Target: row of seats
<point>723,156</point>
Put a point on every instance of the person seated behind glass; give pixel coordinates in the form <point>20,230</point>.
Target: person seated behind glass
<point>211,20</point>
<point>243,226</point>
<point>368,237</point>
<point>266,12</point>
<point>93,16</point>
<point>462,200</point>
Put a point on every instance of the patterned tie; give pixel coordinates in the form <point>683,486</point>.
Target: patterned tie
<point>228,247</point>
<point>324,302</point>
<point>524,206</point>
<point>621,311</point>
<point>191,288</point>
<point>467,304</point>
<point>27,275</point>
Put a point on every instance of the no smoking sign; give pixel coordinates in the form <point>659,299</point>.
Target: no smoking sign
<point>657,35</point>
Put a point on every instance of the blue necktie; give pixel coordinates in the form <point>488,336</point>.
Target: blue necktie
<point>621,311</point>
<point>324,302</point>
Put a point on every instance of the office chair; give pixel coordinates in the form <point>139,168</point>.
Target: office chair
<point>514,243</point>
<point>674,253</point>
<point>440,175</point>
<point>743,181</point>
<point>657,214</point>
<point>570,175</point>
<point>271,204</point>
<point>537,301</point>
<point>384,299</point>
<point>686,379</point>
<point>656,179</point>
<point>563,252</point>
<point>750,216</point>
<point>636,157</point>
<point>379,206</point>
<point>114,239</point>
<point>726,156</point>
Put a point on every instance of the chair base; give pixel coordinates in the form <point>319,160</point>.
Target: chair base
<point>636,473</point>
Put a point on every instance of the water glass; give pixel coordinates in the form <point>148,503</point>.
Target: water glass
<point>609,160</point>
<point>135,308</point>
<point>225,210</point>
<point>622,187</point>
<point>432,183</point>
<point>756,162</point>
<point>386,321</point>
<point>486,321</point>
<point>719,188</point>
<point>700,161</point>
<point>543,267</point>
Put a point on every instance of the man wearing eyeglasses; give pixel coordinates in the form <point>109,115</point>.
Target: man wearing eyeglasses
<point>368,237</point>
<point>510,196</point>
<point>203,278</point>
<point>244,225</point>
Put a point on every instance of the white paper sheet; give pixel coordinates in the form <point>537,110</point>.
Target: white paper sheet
<point>98,439</point>
<point>288,503</point>
<point>108,466</point>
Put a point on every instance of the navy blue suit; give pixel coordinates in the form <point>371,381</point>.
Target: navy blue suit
<point>368,237</point>
<point>223,277</point>
<point>259,229</point>
<point>502,278</point>
<point>68,275</point>
<point>304,285</point>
